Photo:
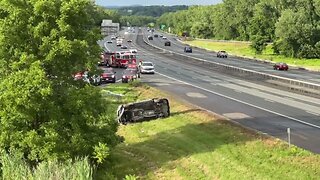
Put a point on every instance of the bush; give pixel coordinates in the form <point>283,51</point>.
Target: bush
<point>14,167</point>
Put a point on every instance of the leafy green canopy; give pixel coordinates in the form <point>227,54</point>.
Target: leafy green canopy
<point>294,25</point>
<point>44,113</point>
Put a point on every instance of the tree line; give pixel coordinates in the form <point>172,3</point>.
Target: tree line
<point>153,11</point>
<point>293,26</point>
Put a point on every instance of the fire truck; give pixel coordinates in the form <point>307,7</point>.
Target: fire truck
<point>118,59</point>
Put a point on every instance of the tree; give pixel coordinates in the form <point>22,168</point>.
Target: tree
<point>298,30</point>
<point>44,113</point>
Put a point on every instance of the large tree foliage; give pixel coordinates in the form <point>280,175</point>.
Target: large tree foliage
<point>293,25</point>
<point>44,113</point>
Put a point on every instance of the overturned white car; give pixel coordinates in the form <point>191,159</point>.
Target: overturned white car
<point>143,110</point>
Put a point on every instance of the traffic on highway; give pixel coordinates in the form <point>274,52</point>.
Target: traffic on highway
<point>243,99</point>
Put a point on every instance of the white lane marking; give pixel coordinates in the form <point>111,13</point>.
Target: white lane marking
<point>240,101</point>
<point>313,113</point>
<point>282,100</point>
<point>105,45</point>
<point>269,100</point>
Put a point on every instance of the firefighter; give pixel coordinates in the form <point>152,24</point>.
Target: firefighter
<point>139,69</point>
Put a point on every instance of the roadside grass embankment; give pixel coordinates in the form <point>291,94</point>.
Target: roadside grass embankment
<point>244,50</point>
<point>195,144</point>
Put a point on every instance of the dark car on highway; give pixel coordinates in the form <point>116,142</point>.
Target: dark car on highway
<point>150,38</point>
<point>188,49</point>
<point>156,35</point>
<point>108,75</point>
<point>222,54</point>
<point>129,40</point>
<point>167,43</point>
<point>129,75</point>
<point>281,66</point>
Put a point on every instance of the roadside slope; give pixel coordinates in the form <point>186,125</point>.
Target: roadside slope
<point>194,144</point>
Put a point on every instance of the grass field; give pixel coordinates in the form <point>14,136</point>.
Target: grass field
<point>194,144</point>
<point>243,49</point>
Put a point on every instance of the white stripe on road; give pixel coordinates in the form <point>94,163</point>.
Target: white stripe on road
<point>240,101</point>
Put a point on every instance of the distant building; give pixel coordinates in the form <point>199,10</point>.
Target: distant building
<point>109,28</point>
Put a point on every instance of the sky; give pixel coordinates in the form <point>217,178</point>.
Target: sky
<point>155,2</point>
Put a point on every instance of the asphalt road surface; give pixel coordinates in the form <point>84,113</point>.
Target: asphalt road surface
<point>177,46</point>
<point>248,103</point>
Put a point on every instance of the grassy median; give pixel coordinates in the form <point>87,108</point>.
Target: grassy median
<point>195,144</point>
<point>243,49</point>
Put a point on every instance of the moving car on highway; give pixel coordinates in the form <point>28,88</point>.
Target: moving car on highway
<point>128,75</point>
<point>108,75</point>
<point>167,43</point>
<point>124,47</point>
<point>129,40</point>
<point>150,38</point>
<point>109,42</point>
<point>155,35</point>
<point>222,54</point>
<point>164,37</point>
<point>281,66</point>
<point>188,49</point>
<point>133,51</point>
<point>147,68</point>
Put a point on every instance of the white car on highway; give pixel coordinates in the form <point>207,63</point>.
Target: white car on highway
<point>147,68</point>
<point>133,51</point>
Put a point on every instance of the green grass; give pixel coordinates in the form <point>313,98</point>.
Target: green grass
<point>13,167</point>
<point>193,144</point>
<point>243,49</point>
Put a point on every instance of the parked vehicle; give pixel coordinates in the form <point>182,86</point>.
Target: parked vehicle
<point>281,66</point>
<point>87,77</point>
<point>108,75</point>
<point>128,75</point>
<point>147,68</point>
<point>119,58</point>
<point>143,110</point>
<point>222,54</point>
<point>134,67</point>
<point>167,43</point>
<point>188,49</point>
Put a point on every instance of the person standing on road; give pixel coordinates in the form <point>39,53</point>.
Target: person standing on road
<point>139,68</point>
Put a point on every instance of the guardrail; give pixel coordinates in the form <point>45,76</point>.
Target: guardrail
<point>296,85</point>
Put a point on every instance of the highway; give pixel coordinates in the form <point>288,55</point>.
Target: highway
<point>177,46</point>
<point>246,102</point>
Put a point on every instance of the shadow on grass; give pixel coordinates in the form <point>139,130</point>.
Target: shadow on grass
<point>161,150</point>
<point>185,112</point>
